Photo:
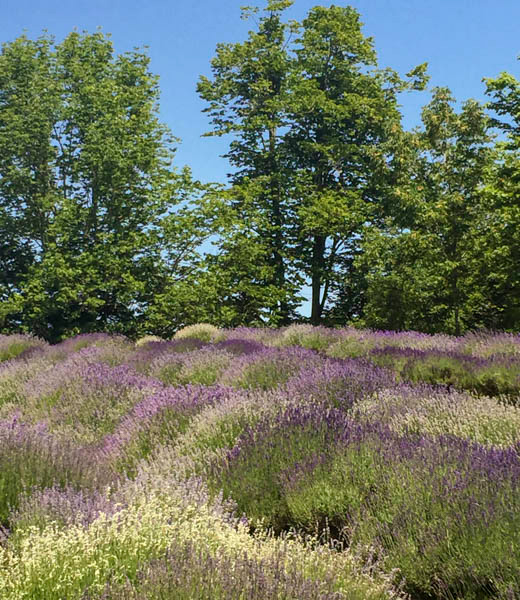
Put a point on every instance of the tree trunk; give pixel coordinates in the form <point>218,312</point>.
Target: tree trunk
<point>278,241</point>
<point>318,265</point>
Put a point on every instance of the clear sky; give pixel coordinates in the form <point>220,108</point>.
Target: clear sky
<point>462,40</point>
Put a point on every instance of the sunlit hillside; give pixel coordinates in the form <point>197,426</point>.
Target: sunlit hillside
<point>297,463</point>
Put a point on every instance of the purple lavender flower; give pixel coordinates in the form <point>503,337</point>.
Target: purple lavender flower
<point>31,457</point>
<point>239,346</point>
<point>143,356</point>
<point>65,505</point>
<point>176,404</point>
<point>338,383</point>
<point>269,367</point>
<point>188,569</point>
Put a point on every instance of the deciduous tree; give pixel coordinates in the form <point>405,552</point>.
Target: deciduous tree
<point>424,270</point>
<point>85,181</point>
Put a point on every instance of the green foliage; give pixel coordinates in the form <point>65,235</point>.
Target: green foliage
<point>311,117</point>
<point>246,98</point>
<point>389,229</point>
<point>423,267</point>
<point>500,308</point>
<point>85,188</point>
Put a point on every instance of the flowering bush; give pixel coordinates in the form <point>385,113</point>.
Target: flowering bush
<point>257,463</point>
<point>200,331</point>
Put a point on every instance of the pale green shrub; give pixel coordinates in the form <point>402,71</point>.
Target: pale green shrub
<point>201,331</point>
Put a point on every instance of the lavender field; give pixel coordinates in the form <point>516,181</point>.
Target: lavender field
<point>299,463</point>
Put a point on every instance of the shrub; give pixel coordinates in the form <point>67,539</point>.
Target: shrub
<point>147,339</point>
<point>308,336</point>
<point>31,458</point>
<point>201,331</point>
<point>437,508</point>
<point>202,367</point>
<point>12,346</point>
<point>268,368</point>
<point>431,410</point>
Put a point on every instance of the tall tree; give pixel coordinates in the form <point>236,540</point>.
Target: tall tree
<point>342,111</point>
<point>311,114</point>
<point>502,242</point>
<point>85,179</point>
<point>246,97</point>
<point>424,271</point>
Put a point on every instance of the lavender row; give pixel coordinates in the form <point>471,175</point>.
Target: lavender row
<point>330,432</point>
<point>443,510</point>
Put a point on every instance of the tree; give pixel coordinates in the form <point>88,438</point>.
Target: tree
<point>310,115</point>
<point>246,99</point>
<point>424,268</point>
<point>85,184</point>
<point>246,276</point>
<point>502,242</point>
<point>189,290</point>
<point>342,110</point>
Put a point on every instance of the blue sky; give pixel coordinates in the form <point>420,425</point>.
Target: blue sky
<point>462,40</point>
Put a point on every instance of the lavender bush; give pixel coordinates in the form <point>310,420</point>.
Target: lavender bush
<point>261,463</point>
<point>493,376</point>
<point>32,458</point>
<point>437,508</point>
<point>191,573</point>
<point>157,420</point>
<point>19,346</point>
<point>268,368</point>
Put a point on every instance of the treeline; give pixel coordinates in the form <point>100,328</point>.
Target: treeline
<point>390,228</point>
